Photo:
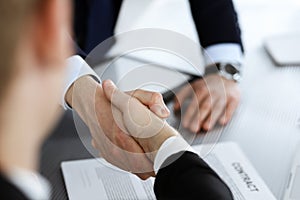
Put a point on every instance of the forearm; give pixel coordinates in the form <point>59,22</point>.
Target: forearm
<point>83,86</point>
<point>83,96</point>
<point>186,176</point>
<point>223,19</point>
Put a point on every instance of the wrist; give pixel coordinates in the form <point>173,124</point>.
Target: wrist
<point>152,145</point>
<point>227,70</point>
<point>81,91</point>
<point>77,68</point>
<point>87,98</point>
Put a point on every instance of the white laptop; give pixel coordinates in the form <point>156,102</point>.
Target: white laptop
<point>293,186</point>
<point>284,50</point>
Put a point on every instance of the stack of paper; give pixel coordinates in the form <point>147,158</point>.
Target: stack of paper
<point>97,179</point>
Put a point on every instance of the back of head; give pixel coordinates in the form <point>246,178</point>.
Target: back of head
<point>33,49</point>
<point>14,14</point>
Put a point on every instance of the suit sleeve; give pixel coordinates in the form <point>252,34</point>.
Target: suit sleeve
<point>186,176</point>
<point>216,22</point>
<point>9,191</point>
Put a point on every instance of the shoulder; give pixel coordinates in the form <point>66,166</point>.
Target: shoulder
<point>9,191</point>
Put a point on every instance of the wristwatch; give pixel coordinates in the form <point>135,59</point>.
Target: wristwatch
<point>229,71</point>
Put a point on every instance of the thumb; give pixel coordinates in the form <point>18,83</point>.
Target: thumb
<point>114,95</point>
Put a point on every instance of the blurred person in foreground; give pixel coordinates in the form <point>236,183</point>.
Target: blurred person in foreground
<point>34,47</point>
<point>33,51</point>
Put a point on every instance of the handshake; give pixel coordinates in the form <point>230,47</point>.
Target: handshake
<point>140,129</point>
<point>129,128</point>
<point>130,132</point>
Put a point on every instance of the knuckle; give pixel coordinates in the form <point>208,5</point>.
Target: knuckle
<point>137,91</point>
<point>119,139</point>
<point>235,98</point>
<point>199,85</point>
<point>235,91</point>
<point>214,94</point>
<point>200,93</point>
<point>202,90</point>
<point>220,104</point>
<point>115,152</point>
<point>156,97</point>
<point>198,82</point>
<point>206,105</point>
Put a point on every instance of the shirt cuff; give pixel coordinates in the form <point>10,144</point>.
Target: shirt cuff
<point>76,68</point>
<point>172,145</point>
<point>31,184</point>
<point>227,52</point>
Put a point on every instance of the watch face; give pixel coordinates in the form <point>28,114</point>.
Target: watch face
<point>230,72</point>
<point>230,69</point>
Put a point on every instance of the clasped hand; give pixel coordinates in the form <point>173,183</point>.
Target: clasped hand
<point>128,125</point>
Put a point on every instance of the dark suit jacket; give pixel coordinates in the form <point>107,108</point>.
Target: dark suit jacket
<point>187,176</point>
<point>9,191</point>
<point>94,21</point>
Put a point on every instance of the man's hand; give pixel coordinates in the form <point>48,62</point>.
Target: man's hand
<point>114,144</point>
<point>148,129</point>
<point>214,99</point>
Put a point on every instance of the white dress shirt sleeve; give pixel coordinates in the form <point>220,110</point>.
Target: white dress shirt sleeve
<point>171,146</point>
<point>31,184</point>
<point>227,52</point>
<point>76,68</point>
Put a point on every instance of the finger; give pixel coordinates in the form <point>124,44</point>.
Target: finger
<point>118,119</point>
<point>153,100</point>
<point>93,143</point>
<point>115,155</point>
<point>139,164</point>
<point>181,96</point>
<point>215,114</point>
<point>205,109</point>
<point>117,160</point>
<point>229,111</point>
<point>136,162</point>
<point>145,176</point>
<point>202,112</point>
<point>193,109</point>
<point>99,147</point>
<point>196,125</point>
<point>95,146</point>
<point>202,94</point>
<point>116,97</point>
<point>138,119</point>
<point>190,112</point>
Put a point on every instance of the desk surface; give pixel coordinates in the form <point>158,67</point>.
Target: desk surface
<point>266,125</point>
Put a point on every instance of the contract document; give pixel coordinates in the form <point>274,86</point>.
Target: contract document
<point>96,179</point>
